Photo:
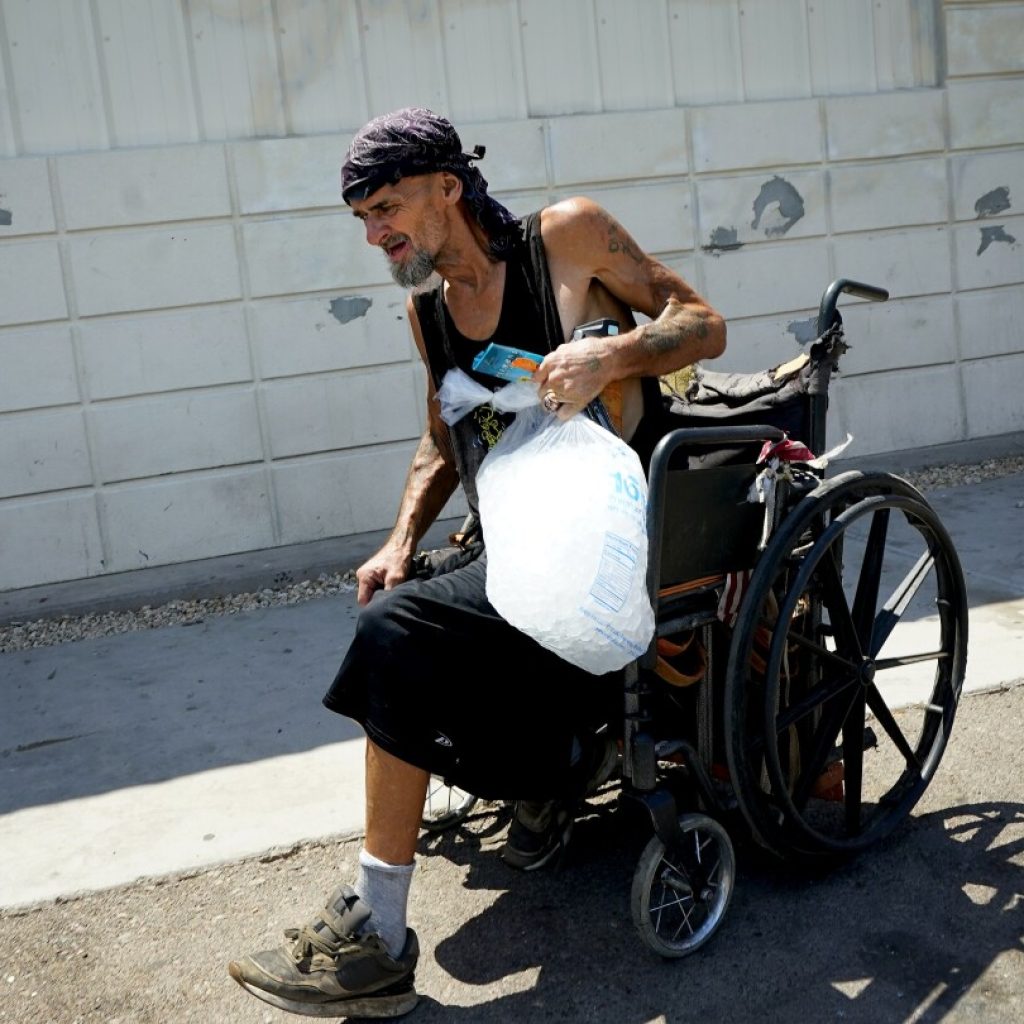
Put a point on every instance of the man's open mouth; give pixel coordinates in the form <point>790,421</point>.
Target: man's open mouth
<point>396,250</point>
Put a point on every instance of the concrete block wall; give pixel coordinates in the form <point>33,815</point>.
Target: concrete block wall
<point>200,354</point>
<point>183,379</point>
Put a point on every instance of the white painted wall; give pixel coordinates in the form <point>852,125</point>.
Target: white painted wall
<point>200,355</point>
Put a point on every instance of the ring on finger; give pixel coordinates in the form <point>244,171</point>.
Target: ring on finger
<point>551,401</point>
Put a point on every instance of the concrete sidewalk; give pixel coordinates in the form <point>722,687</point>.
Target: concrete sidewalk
<point>927,926</point>
<point>160,751</point>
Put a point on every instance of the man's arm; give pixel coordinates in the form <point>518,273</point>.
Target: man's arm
<point>431,481</point>
<point>584,243</point>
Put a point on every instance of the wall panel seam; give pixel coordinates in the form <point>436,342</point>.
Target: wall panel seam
<point>699,252</point>
<point>251,349</point>
<point>104,77</point>
<point>954,273</point>
<point>71,301</point>
<point>825,165</point>
<point>364,62</point>
<point>193,68</point>
<point>9,83</point>
<point>286,105</point>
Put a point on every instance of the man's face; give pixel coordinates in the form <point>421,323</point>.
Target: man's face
<point>407,221</point>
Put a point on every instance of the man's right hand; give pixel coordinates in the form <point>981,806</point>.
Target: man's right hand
<point>385,570</point>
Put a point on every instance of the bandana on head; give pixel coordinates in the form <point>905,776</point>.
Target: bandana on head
<point>417,141</point>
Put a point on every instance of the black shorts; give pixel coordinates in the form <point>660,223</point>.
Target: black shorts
<point>437,678</point>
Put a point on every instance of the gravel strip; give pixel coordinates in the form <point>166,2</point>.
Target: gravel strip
<point>20,636</point>
<point>44,632</point>
<point>934,477</point>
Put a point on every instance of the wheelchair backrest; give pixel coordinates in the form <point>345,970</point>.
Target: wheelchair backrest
<point>700,521</point>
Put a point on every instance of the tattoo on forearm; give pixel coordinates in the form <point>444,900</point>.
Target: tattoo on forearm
<point>659,337</point>
<point>697,327</point>
<point>665,335</point>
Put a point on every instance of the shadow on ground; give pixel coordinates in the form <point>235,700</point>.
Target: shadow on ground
<point>100,715</point>
<point>910,930</point>
<point>925,927</point>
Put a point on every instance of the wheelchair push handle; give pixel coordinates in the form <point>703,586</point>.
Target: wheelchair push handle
<point>827,310</point>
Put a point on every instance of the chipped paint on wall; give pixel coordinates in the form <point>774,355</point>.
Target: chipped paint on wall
<point>723,239</point>
<point>996,233</point>
<point>805,331</point>
<point>6,218</point>
<point>777,207</point>
<point>349,307</point>
<point>994,202</point>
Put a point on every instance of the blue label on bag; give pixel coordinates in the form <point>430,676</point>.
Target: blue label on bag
<point>615,572</point>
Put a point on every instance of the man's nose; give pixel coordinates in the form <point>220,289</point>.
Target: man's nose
<point>375,232</point>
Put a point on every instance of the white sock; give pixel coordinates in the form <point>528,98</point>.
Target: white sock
<point>385,887</point>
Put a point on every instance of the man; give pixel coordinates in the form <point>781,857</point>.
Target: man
<point>438,680</point>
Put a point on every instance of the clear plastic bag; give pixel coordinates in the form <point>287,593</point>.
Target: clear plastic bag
<point>460,394</point>
<point>563,506</point>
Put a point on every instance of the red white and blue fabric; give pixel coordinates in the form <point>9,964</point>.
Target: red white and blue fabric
<point>775,457</point>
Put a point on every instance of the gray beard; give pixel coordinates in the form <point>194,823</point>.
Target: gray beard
<point>414,271</point>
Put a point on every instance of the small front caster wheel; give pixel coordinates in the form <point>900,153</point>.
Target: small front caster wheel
<point>680,895</point>
<point>445,806</point>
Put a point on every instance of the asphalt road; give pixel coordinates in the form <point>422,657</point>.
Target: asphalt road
<point>926,927</point>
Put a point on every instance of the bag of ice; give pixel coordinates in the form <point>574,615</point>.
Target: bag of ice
<point>563,508</point>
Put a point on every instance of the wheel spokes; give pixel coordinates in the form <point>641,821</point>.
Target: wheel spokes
<point>840,618</point>
<point>866,599</point>
<point>823,653</point>
<point>892,612</point>
<point>901,660</point>
<point>674,896</point>
<point>853,759</point>
<point>813,699</point>
<point>833,716</point>
<point>885,718</point>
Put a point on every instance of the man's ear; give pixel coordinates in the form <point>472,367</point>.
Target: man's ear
<point>451,187</point>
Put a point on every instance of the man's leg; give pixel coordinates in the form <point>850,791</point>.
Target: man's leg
<point>356,958</point>
<point>395,793</point>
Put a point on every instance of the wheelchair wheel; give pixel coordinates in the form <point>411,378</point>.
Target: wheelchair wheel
<point>680,895</point>
<point>846,667</point>
<point>445,806</point>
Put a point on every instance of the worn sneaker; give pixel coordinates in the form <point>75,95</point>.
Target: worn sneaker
<point>540,831</point>
<point>334,967</point>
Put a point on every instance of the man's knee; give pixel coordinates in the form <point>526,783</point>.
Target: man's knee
<point>380,623</point>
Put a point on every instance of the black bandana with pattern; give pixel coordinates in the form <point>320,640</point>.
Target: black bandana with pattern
<point>415,141</point>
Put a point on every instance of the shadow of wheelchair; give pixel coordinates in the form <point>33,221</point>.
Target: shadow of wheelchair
<point>926,923</point>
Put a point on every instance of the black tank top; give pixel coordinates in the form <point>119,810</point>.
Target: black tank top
<point>528,320</point>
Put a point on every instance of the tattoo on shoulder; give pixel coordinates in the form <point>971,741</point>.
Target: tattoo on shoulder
<point>619,241</point>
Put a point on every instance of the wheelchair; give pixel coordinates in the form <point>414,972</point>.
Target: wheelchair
<point>830,616</point>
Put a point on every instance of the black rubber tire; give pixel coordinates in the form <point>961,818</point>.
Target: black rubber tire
<point>783,726</point>
<point>679,898</point>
